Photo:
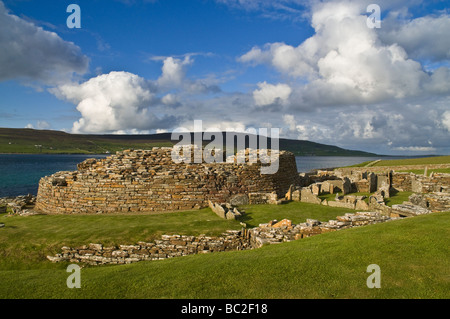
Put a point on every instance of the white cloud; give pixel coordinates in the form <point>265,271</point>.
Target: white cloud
<point>111,102</point>
<point>439,81</point>
<point>345,62</point>
<point>124,103</point>
<point>446,120</point>
<point>415,148</point>
<point>268,94</point>
<point>170,100</point>
<point>422,38</point>
<point>290,121</point>
<point>28,52</point>
<point>173,77</point>
<point>41,125</point>
<point>173,72</point>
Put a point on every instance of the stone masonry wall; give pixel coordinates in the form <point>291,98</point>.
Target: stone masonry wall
<point>408,182</point>
<point>170,246</point>
<point>149,180</point>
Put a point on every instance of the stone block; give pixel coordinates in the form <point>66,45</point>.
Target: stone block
<point>308,197</point>
<point>361,205</point>
<point>239,200</point>
<point>283,223</point>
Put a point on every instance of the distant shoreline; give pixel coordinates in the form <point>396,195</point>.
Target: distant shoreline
<point>311,155</point>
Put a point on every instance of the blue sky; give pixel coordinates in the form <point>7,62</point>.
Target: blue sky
<point>312,68</point>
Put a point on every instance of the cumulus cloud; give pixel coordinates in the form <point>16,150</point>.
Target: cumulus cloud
<point>125,103</point>
<point>422,38</point>
<point>268,94</point>
<point>173,76</point>
<point>30,53</point>
<point>171,99</point>
<point>345,62</point>
<point>113,102</point>
<point>173,71</point>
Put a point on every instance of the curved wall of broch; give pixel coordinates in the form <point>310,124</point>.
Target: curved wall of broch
<point>149,180</point>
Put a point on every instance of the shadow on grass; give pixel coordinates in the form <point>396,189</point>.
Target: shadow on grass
<point>247,219</point>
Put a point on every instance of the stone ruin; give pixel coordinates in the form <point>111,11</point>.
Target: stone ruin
<point>149,180</point>
<point>225,211</point>
<point>433,196</point>
<point>431,193</point>
<point>20,205</point>
<point>169,246</point>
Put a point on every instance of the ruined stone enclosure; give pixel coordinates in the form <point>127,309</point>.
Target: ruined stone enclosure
<point>149,180</point>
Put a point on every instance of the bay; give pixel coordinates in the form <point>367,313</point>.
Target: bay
<point>20,173</point>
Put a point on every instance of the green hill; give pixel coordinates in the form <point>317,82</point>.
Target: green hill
<point>57,142</point>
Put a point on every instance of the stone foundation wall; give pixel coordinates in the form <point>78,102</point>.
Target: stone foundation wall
<point>168,246</point>
<point>402,181</point>
<point>284,231</point>
<point>408,182</point>
<point>365,180</point>
<point>133,181</point>
<point>436,202</point>
<point>385,169</point>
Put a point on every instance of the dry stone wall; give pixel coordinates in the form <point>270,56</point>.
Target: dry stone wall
<point>284,231</point>
<point>170,246</point>
<point>149,180</point>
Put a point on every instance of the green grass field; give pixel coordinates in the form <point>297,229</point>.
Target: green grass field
<point>25,241</point>
<point>408,161</point>
<point>429,171</point>
<point>412,253</point>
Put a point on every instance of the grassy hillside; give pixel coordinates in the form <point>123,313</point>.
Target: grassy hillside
<point>45,141</point>
<point>412,254</point>
<point>57,142</point>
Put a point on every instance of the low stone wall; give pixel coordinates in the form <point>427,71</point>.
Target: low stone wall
<point>402,181</point>
<point>386,169</point>
<point>284,231</point>
<point>133,181</point>
<point>263,198</point>
<point>436,202</point>
<point>369,179</point>
<point>436,183</point>
<point>168,246</point>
